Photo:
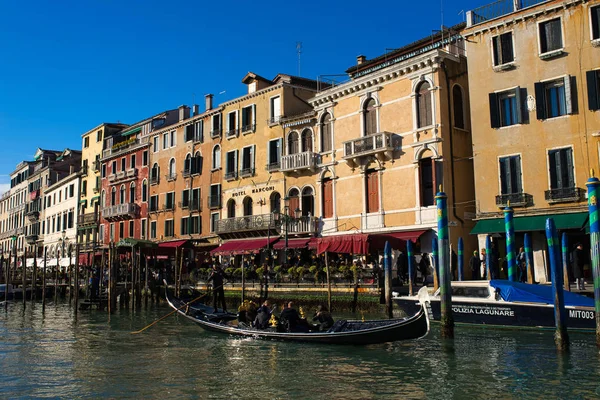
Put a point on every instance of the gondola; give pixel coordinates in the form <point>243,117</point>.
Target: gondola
<point>343,332</point>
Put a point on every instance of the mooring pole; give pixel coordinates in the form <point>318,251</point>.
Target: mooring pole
<point>592,186</point>
<point>411,266</point>
<point>34,277</point>
<point>565,261</point>
<point>461,261</point>
<point>561,337</point>
<point>328,282</point>
<point>447,320</point>
<point>511,259</point>
<point>44,280</point>
<point>387,265</point>
<point>24,275</point>
<point>7,279</point>
<point>435,263</point>
<point>488,257</point>
<point>243,279</point>
<point>111,290</point>
<point>76,279</point>
<point>528,257</point>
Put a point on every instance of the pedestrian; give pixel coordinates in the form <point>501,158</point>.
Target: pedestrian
<point>475,265</point>
<point>483,274</point>
<point>579,260</point>
<point>522,265</point>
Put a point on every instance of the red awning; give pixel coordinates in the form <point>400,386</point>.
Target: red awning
<point>242,246</point>
<point>297,243</point>
<point>408,235</point>
<point>83,257</point>
<point>173,244</point>
<point>358,243</point>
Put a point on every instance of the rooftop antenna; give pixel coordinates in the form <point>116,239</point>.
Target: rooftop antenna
<point>299,51</point>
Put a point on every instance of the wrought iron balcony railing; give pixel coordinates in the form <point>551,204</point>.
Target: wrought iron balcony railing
<point>515,199</point>
<point>246,172</point>
<point>192,205</point>
<point>300,161</point>
<point>171,177</point>
<point>498,9</point>
<point>248,128</point>
<point>232,133</point>
<point>380,145</point>
<point>121,211</point>
<point>274,166</point>
<point>154,180</point>
<point>88,219</point>
<point>564,195</point>
<point>215,133</point>
<point>231,175</point>
<point>247,223</point>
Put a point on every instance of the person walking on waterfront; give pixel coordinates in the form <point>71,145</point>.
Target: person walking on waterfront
<point>522,265</point>
<point>475,265</point>
<point>483,274</point>
<point>579,260</point>
<point>217,276</point>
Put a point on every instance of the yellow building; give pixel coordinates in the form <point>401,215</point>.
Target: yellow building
<point>389,137</point>
<point>533,81</point>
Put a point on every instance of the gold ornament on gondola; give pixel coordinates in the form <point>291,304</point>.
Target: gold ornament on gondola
<point>301,311</point>
<point>273,321</point>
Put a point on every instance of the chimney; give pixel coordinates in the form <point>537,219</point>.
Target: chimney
<point>195,109</point>
<point>360,59</point>
<point>208,100</point>
<point>184,112</point>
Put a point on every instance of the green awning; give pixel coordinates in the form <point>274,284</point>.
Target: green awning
<point>84,201</point>
<point>130,242</point>
<point>94,199</point>
<point>131,132</point>
<point>533,223</point>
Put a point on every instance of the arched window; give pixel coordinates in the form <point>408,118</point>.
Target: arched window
<point>327,197</point>
<point>144,190</point>
<point>103,199</point>
<point>154,173</point>
<point>370,117</point>
<point>172,172</point>
<point>197,163</point>
<point>122,195</point>
<point>293,143</point>
<point>187,165</point>
<point>457,102</point>
<point>113,197</point>
<point>294,201</point>
<point>307,140</point>
<point>423,99</point>
<point>308,202</point>
<point>216,157</point>
<point>247,205</point>
<point>326,133</point>
<point>275,202</point>
<point>231,208</point>
<point>428,178</point>
<point>132,192</point>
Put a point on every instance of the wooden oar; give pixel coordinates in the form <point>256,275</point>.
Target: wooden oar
<point>174,311</point>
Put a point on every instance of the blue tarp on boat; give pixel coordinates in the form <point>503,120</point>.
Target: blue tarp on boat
<point>524,292</point>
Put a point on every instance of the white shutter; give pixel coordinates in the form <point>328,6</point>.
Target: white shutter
<point>235,162</point>
<point>253,122</point>
<point>227,123</point>
<point>276,108</point>
<point>252,156</point>
<point>568,99</point>
<point>279,149</point>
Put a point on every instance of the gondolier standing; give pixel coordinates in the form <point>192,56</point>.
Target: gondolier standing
<point>579,261</point>
<point>217,276</point>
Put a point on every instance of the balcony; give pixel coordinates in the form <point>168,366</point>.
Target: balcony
<point>564,195</point>
<point>231,175</point>
<point>515,199</point>
<point>300,161</point>
<point>248,128</point>
<point>87,220</point>
<point>31,239</point>
<point>214,202</point>
<point>96,189</point>
<point>232,133</point>
<point>191,205</point>
<point>186,173</point>
<point>33,214</point>
<point>274,166</point>
<point>215,133</point>
<point>153,207</point>
<point>96,166</point>
<point>84,170</point>
<point>246,172</point>
<point>131,173</point>
<point>498,9</point>
<point>122,147</point>
<point>171,177</point>
<point>121,211</point>
<point>300,225</point>
<point>245,224</point>
<point>379,145</point>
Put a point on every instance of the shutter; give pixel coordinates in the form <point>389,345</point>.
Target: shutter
<point>592,90</point>
<point>327,199</point>
<point>568,95</point>
<point>279,150</point>
<point>227,128</point>
<point>187,166</point>
<point>518,100</point>
<point>543,37</point>
<point>507,48</point>
<point>269,153</point>
<point>558,178</point>
<point>252,157</point>
<point>494,111</point>
<point>518,174</point>
<point>253,117</point>
<point>235,162</point>
<point>504,176</point>
<point>540,100</point>
<point>495,50</point>
<point>568,168</point>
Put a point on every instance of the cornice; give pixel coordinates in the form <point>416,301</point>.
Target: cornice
<point>186,122</point>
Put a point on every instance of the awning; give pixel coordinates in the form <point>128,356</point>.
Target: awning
<point>131,131</point>
<point>358,243</point>
<point>532,223</point>
<point>173,244</point>
<point>408,235</point>
<point>129,242</point>
<point>94,199</point>
<point>243,246</point>
<point>297,243</point>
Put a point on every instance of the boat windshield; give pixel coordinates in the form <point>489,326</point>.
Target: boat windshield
<point>481,292</point>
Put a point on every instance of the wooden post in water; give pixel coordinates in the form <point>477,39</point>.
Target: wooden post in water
<point>24,275</point>
<point>7,279</point>
<point>446,320</point>
<point>592,186</point>
<point>138,299</point>
<point>565,261</point>
<point>511,259</point>
<point>461,260</point>
<point>112,298</point>
<point>146,288</point>
<point>387,265</point>
<point>44,279</point>
<point>411,266</point>
<point>328,282</point>
<point>56,279</point>
<point>488,257</point>
<point>175,272</point>
<point>101,284</point>
<point>76,279</point>
<point>243,278</point>
<point>561,337</point>
<point>34,277</point>
<point>180,272</point>
<point>528,257</point>
<point>435,263</point>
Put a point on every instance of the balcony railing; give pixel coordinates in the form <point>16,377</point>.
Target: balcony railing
<point>215,133</point>
<point>121,211</point>
<point>564,195</point>
<point>275,120</point>
<point>96,189</point>
<point>274,166</point>
<point>232,133</point>
<point>214,202</point>
<point>498,9</point>
<point>379,145</point>
<point>88,219</point>
<point>192,205</point>
<point>300,161</point>
<point>246,172</point>
<point>231,175</point>
<point>247,223</point>
<point>153,207</point>
<point>169,206</point>
<point>300,225</point>
<point>31,239</point>
<point>248,128</point>
<point>84,170</point>
<point>122,147</point>
<point>171,177</point>
<point>131,172</point>
<point>96,166</point>
<point>515,199</point>
<point>186,173</point>
<point>154,180</point>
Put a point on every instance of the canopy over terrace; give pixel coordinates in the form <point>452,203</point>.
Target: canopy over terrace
<point>363,243</point>
<point>296,243</point>
<point>243,246</point>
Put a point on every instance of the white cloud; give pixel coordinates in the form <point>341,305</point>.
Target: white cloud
<point>4,188</point>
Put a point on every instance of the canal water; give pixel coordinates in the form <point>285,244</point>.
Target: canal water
<point>50,355</point>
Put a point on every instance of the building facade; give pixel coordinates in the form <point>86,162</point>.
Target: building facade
<point>13,233</point>
<point>534,78</point>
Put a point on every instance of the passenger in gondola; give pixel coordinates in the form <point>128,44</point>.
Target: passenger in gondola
<point>289,318</point>
<point>323,319</point>
<point>263,316</point>
<point>217,276</point>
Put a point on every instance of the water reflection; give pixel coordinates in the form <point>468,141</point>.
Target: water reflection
<point>49,355</point>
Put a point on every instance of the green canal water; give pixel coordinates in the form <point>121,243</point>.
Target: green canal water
<point>52,356</point>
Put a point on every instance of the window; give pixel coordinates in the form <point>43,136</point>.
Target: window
<point>189,133</point>
<point>169,228</point>
<point>369,117</point>
<point>326,133</point>
<point>327,198</point>
<point>154,174</point>
<point>113,197</point>
<point>595,16</point>
<point>172,171</point>
<point>155,144</point>
<point>70,219</point>
<point>152,229</point>
<point>275,202</point>
<point>505,108</point>
<point>86,142</point>
<point>214,219</point>
<point>132,192</point>
<point>132,165</point>
<point>196,164</point>
<point>145,158</point>
<point>72,190</point>
<point>372,182</point>
<point>199,131</point>
<point>502,49</point>
<point>459,111</point>
<point>593,88</point>
<point>232,124</point>
<point>165,141</point>
<point>101,234</point>
<point>550,36</point>
<point>247,161</point>
<point>143,227</point>
<point>247,203</point>
<point>131,229</point>
<point>154,203</point>
<point>172,138</point>
<point>195,225</point>
<point>308,202</point>
<point>83,188</point>
<point>216,125</point>
<point>214,199</point>
<point>169,201</point>
<point>216,157</point>
<point>510,175</point>
<point>427,184</point>
<point>561,168</point>
<point>293,143</point>
<point>231,165</point>
<point>144,190</point>
<point>231,208</point>
<point>423,99</point>
<point>103,171</point>
<point>294,201</point>
<point>307,141</point>
<point>112,231</point>
<point>275,112</point>
<point>184,226</point>
<point>123,162</point>
<point>553,98</point>
<point>274,154</point>
<point>248,118</point>
<point>185,198</point>
<point>187,165</point>
<point>121,230</point>
<point>98,136</point>
<point>122,195</point>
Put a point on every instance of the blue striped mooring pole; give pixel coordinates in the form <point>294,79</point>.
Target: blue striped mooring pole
<point>528,257</point>
<point>561,337</point>
<point>461,261</point>
<point>447,320</point>
<point>565,260</point>
<point>488,257</point>
<point>411,266</point>
<point>592,186</point>
<point>435,263</point>
<point>511,259</point>
<point>387,265</point>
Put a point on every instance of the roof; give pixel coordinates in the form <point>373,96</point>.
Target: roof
<point>252,76</point>
<point>406,49</point>
<point>300,81</point>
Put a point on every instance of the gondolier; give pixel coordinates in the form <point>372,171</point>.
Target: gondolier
<point>217,276</point>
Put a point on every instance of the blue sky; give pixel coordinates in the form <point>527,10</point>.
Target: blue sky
<point>67,66</point>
